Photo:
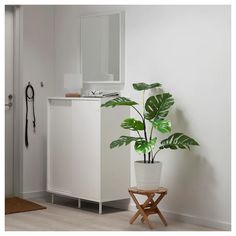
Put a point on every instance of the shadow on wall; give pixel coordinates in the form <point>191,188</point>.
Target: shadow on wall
<point>188,175</point>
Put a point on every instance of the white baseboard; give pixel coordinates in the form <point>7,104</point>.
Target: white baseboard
<point>195,220</point>
<point>34,194</point>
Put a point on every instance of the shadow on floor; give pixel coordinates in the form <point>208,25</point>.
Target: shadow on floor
<point>85,205</point>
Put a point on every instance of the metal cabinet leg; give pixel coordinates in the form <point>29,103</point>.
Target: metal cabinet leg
<point>52,198</point>
<point>79,203</point>
<point>100,208</point>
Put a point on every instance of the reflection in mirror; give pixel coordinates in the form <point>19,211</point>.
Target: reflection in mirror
<point>100,48</point>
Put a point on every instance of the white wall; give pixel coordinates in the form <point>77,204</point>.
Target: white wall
<point>187,49</point>
<point>37,58</point>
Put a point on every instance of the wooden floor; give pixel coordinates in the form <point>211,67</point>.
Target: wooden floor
<point>66,217</point>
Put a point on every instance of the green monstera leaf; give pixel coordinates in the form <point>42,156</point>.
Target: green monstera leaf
<point>123,140</point>
<point>144,86</point>
<point>132,124</point>
<point>142,146</point>
<point>120,101</point>
<point>178,140</point>
<point>157,106</point>
<point>164,126</point>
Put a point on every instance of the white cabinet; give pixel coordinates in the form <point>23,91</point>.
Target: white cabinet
<point>80,162</point>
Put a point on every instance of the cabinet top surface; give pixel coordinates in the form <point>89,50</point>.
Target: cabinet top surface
<point>80,98</point>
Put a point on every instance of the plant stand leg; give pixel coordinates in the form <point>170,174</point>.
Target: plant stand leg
<point>137,203</point>
<point>141,209</point>
<point>156,209</point>
<point>149,207</point>
<point>100,208</point>
<point>161,217</point>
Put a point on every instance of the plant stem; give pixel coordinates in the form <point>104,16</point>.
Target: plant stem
<point>152,155</point>
<point>155,155</point>
<point>150,137</point>
<point>144,129</point>
<point>151,133</point>
<point>138,112</point>
<point>139,134</point>
<point>144,124</point>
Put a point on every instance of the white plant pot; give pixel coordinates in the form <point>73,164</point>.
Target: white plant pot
<point>148,175</point>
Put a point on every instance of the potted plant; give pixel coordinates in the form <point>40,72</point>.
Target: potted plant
<point>155,111</point>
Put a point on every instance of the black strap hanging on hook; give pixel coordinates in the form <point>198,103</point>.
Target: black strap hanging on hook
<point>29,98</point>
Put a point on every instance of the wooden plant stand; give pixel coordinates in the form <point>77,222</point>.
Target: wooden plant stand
<point>149,206</point>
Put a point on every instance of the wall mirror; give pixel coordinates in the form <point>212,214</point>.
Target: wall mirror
<point>102,48</point>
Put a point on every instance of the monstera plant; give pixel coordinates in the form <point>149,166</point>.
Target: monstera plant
<point>155,110</point>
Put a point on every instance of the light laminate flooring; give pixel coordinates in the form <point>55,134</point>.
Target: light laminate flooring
<point>65,216</point>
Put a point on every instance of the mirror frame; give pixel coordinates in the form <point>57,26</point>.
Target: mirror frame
<point>122,47</point>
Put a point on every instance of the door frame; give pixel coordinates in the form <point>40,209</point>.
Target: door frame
<point>17,100</point>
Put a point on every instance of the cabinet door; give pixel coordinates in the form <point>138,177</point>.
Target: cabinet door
<point>59,147</point>
<point>115,163</point>
<point>86,149</point>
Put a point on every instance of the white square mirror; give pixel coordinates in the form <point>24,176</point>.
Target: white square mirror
<point>102,48</point>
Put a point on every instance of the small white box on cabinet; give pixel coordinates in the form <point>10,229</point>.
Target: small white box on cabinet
<point>80,162</point>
